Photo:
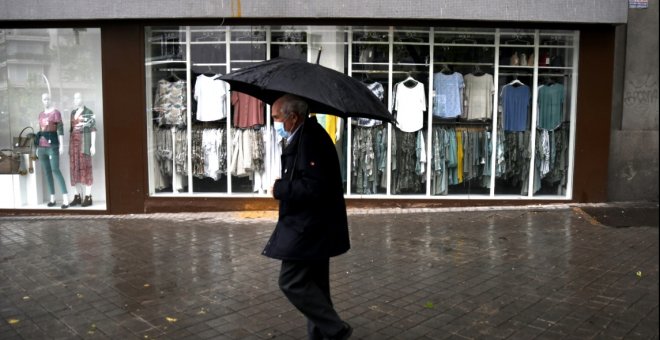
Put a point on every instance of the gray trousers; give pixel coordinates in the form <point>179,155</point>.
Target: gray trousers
<point>307,286</point>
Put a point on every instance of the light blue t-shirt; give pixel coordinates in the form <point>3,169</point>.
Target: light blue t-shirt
<point>448,89</point>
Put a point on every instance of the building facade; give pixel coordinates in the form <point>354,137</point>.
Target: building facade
<point>511,106</point>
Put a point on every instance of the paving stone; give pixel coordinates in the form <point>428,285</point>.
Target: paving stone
<point>510,273</point>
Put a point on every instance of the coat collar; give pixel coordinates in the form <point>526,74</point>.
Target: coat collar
<point>302,130</point>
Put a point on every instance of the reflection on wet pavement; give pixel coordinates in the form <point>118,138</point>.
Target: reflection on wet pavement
<point>513,274</point>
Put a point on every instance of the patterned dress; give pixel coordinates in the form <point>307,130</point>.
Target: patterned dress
<point>80,159</point>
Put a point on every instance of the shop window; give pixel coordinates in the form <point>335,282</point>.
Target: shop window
<point>482,113</point>
<point>462,100</point>
<point>51,119</point>
<point>370,142</point>
<point>535,80</point>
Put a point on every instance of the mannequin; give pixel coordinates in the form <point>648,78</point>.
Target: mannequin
<point>49,148</point>
<point>81,150</point>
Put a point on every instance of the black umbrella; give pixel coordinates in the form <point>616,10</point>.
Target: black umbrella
<point>326,90</point>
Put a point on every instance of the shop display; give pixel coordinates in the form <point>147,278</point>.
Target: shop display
<point>51,105</point>
<point>480,112</point>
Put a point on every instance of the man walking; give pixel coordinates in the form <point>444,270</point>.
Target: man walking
<point>312,224</point>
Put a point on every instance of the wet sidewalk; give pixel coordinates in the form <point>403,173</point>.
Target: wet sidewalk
<point>547,272</point>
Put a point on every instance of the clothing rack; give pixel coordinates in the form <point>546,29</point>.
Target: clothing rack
<point>210,124</point>
<point>171,69</point>
<point>386,71</point>
<point>530,75</point>
<point>462,122</point>
<point>466,64</point>
<point>209,64</point>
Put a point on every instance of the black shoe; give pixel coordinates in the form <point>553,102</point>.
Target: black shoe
<point>87,201</point>
<point>64,206</point>
<point>345,333</point>
<point>51,204</point>
<point>76,201</point>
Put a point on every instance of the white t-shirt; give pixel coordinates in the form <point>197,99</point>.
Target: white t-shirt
<point>479,94</point>
<point>410,104</point>
<point>211,96</point>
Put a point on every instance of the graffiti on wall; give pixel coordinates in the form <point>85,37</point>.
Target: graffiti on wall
<point>641,92</point>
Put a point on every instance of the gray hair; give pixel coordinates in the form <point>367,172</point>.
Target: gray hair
<point>293,104</point>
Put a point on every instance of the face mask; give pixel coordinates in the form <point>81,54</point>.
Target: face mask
<point>279,128</point>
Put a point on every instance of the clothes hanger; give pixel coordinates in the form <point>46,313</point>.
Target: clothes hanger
<point>517,40</point>
<point>445,69</point>
<point>409,81</point>
<point>464,40</point>
<point>209,72</point>
<point>173,76</point>
<point>412,39</point>
<point>516,82</point>
<point>366,78</point>
<point>477,71</point>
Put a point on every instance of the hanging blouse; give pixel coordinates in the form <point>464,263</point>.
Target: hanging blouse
<point>551,106</point>
<point>170,103</point>
<point>248,110</point>
<point>515,106</point>
<point>211,96</point>
<point>448,99</point>
<point>479,96</point>
<point>378,90</point>
<point>410,104</point>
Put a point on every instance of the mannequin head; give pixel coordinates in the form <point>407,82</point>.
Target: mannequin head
<point>77,99</point>
<point>45,99</point>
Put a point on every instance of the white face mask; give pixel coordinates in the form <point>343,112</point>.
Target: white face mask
<point>279,128</point>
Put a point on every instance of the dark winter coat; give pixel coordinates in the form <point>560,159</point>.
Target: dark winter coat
<point>312,222</point>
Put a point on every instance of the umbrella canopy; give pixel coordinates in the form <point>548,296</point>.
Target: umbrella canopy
<point>326,90</point>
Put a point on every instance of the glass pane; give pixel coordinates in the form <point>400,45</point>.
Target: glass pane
<point>248,144</point>
<point>472,36</point>
<point>553,121</point>
<point>289,42</point>
<point>51,94</point>
<point>248,134</point>
<point>409,140</point>
<point>454,132</point>
<point>514,112</point>
<point>363,34</point>
<point>328,45</point>
<point>208,53</point>
<point>462,109</point>
<point>246,54</point>
<point>207,34</point>
<point>556,49</point>
<point>369,143</point>
<point>370,48</point>
<point>166,43</point>
<point>411,35</point>
<point>248,46</point>
<point>167,109</point>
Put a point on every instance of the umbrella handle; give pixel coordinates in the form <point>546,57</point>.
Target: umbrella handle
<point>318,56</point>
